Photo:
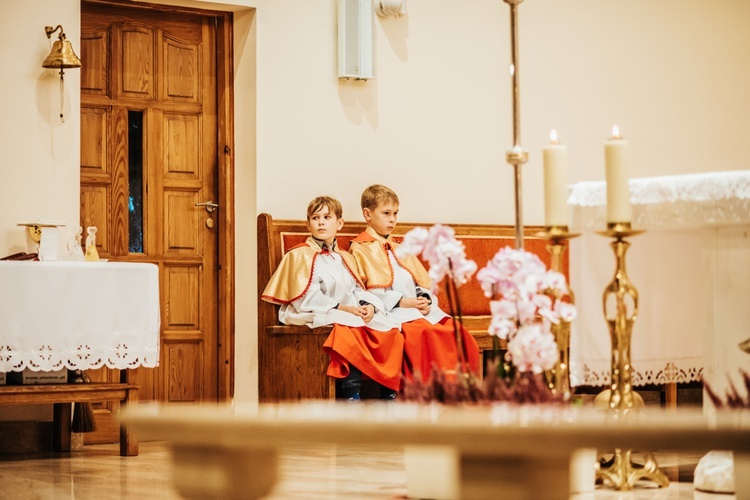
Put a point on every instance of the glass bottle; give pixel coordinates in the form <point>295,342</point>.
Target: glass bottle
<point>91,253</point>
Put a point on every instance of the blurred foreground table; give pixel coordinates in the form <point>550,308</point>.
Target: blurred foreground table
<point>519,452</point>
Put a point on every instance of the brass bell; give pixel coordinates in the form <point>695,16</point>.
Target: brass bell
<point>62,54</point>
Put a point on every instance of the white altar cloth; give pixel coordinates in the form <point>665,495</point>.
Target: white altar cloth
<point>692,271</point>
<point>669,202</point>
<point>79,315</point>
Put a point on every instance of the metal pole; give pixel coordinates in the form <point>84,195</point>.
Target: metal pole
<point>516,156</point>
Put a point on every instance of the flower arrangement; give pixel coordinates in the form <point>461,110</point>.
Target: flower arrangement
<point>524,302</point>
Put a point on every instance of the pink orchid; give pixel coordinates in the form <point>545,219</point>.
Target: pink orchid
<point>555,282</point>
<point>443,252</point>
<point>533,348</point>
<point>413,242</point>
<point>528,304</point>
<point>565,310</point>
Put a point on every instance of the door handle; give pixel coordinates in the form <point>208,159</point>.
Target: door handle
<point>210,205</point>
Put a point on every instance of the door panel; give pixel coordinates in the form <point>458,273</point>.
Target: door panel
<point>149,100</point>
<point>133,55</point>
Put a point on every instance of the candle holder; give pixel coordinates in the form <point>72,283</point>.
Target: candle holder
<point>516,155</point>
<point>621,396</point>
<point>558,378</point>
<point>620,470</point>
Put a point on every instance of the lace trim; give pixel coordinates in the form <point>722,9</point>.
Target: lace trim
<point>84,357</point>
<point>675,201</point>
<point>670,373</point>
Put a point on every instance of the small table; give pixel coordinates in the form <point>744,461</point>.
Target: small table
<point>80,316</point>
<point>520,452</point>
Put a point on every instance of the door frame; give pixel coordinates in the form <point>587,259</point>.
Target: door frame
<point>225,150</point>
<point>226,178</point>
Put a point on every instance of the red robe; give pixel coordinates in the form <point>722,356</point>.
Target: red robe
<point>427,345</point>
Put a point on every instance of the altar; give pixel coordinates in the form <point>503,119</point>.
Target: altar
<point>79,316</point>
<point>692,270</point>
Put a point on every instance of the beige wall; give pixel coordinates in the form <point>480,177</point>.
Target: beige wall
<point>435,122</point>
<point>39,155</point>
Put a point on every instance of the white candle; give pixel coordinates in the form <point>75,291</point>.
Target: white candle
<point>618,189</point>
<point>555,161</point>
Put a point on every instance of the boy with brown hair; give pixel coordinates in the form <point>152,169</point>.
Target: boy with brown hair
<point>403,286</point>
<point>318,284</point>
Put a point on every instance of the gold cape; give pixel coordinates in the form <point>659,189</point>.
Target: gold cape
<point>369,250</point>
<point>292,278</point>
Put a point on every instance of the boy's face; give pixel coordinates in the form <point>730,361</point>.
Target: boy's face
<point>323,225</point>
<point>383,218</point>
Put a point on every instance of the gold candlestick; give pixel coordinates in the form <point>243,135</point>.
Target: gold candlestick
<point>621,394</point>
<point>558,378</point>
<point>620,471</point>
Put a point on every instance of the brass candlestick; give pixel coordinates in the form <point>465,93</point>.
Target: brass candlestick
<point>620,471</point>
<point>516,155</point>
<point>558,378</point>
<point>621,396</point>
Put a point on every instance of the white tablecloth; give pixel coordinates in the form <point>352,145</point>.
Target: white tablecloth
<point>692,272</point>
<point>78,315</point>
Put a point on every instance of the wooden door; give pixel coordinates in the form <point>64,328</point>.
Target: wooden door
<point>149,154</point>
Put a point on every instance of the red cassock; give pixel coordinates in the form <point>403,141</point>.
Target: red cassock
<point>430,340</point>
<point>371,351</point>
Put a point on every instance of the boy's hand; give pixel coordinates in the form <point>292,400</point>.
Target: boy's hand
<point>364,312</point>
<point>422,304</point>
<point>370,312</point>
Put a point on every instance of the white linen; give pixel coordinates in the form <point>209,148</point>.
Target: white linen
<point>404,287</point>
<point>79,315</point>
<point>332,284</point>
<point>688,326</point>
<point>669,202</point>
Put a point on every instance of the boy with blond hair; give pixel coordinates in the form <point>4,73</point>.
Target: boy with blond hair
<point>318,284</point>
<point>403,286</point>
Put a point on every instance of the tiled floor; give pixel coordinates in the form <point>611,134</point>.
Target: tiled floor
<point>320,472</point>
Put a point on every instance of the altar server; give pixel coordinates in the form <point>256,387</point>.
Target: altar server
<point>403,286</point>
<point>319,284</point>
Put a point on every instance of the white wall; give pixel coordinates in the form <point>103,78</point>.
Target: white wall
<point>434,124</point>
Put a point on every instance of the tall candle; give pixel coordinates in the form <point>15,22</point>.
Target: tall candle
<point>555,162</point>
<point>618,189</point>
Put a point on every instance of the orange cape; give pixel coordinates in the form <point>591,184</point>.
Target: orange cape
<point>292,278</point>
<point>369,249</point>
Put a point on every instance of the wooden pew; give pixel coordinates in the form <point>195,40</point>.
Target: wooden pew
<point>292,363</point>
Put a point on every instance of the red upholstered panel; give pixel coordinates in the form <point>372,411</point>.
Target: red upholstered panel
<point>480,249</point>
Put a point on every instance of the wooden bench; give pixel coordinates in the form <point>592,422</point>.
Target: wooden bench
<point>292,363</point>
<point>62,395</point>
